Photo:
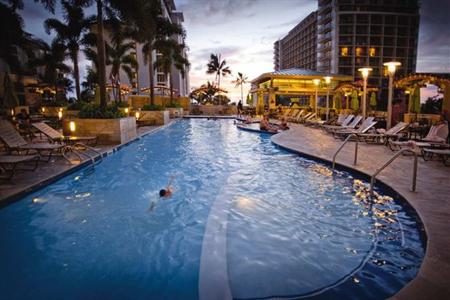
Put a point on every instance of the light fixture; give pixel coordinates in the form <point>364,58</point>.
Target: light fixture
<point>365,72</point>
<point>137,115</point>
<point>72,126</point>
<point>43,109</point>
<point>316,82</point>
<point>127,110</point>
<point>12,111</point>
<point>392,66</point>
<point>327,79</point>
<point>60,114</point>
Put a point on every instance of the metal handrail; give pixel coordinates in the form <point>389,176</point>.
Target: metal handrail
<point>342,146</point>
<point>387,163</point>
<point>90,148</point>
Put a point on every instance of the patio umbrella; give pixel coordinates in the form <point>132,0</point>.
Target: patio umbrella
<point>337,99</point>
<point>355,100</point>
<point>373,100</point>
<point>10,99</point>
<point>414,101</point>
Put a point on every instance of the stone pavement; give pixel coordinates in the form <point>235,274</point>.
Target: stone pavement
<point>431,199</point>
<point>24,181</point>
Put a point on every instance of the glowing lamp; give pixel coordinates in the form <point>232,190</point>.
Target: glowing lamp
<point>12,112</point>
<point>316,82</point>
<point>43,109</point>
<point>127,110</point>
<point>72,126</point>
<point>327,79</point>
<point>60,114</point>
<point>137,115</point>
<point>365,72</point>
<point>60,109</point>
<point>392,66</point>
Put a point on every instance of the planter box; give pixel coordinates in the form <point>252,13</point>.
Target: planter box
<point>212,110</point>
<point>175,112</point>
<point>108,131</point>
<point>158,117</point>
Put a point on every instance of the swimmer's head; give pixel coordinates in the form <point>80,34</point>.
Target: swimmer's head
<point>162,193</point>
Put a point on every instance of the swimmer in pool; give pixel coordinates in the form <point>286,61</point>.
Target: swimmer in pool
<point>163,193</point>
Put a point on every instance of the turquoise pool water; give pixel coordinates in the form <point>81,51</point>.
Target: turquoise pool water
<point>247,220</point>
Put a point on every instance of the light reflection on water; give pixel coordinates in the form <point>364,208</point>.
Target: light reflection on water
<point>293,227</point>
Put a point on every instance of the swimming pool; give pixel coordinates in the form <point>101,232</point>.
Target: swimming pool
<point>247,220</point>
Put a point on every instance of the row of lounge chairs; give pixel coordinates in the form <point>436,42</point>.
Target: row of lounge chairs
<point>433,145</point>
<point>21,152</point>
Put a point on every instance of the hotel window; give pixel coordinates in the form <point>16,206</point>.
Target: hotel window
<point>372,52</point>
<point>161,78</point>
<point>344,51</point>
<point>358,51</point>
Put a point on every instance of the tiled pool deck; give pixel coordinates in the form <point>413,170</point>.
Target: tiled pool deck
<point>431,199</point>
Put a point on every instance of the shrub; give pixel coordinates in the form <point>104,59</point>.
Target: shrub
<point>122,104</point>
<point>94,111</point>
<point>152,107</point>
<point>173,105</point>
<point>78,105</point>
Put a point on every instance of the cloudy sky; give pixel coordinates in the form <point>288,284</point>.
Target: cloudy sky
<point>243,32</point>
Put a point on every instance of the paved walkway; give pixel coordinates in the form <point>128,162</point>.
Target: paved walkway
<point>24,181</point>
<point>431,200</point>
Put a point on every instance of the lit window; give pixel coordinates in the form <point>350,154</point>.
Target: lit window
<point>358,51</point>
<point>344,51</point>
<point>372,52</point>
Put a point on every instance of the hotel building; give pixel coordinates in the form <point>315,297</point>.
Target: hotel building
<point>355,33</point>
<point>298,48</point>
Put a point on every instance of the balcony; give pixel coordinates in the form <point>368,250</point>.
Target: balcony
<point>324,37</point>
<point>324,28</point>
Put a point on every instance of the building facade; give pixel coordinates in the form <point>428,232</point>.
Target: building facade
<point>356,33</point>
<point>140,83</point>
<point>298,48</point>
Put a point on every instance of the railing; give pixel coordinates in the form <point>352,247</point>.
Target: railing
<point>342,146</point>
<point>387,163</point>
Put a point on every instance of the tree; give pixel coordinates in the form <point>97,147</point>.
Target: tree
<point>240,81</point>
<point>150,28</point>
<point>171,55</point>
<point>218,67</point>
<point>11,36</point>
<point>53,62</point>
<point>70,34</point>
<point>120,55</point>
<point>207,94</point>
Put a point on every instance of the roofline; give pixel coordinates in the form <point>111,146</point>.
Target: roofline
<point>270,75</point>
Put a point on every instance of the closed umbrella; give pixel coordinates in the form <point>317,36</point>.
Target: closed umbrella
<point>337,99</point>
<point>355,100</point>
<point>414,101</point>
<point>373,100</point>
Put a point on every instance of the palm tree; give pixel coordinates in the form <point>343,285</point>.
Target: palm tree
<point>218,67</point>
<point>120,55</point>
<point>171,55</point>
<point>11,36</point>
<point>53,62</point>
<point>240,81</point>
<point>149,28</point>
<point>70,33</point>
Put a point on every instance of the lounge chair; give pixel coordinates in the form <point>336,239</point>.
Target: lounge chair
<point>56,137</point>
<point>365,126</point>
<point>436,137</point>
<point>356,120</point>
<point>295,115</point>
<point>307,117</point>
<point>381,137</point>
<point>9,164</point>
<point>14,142</point>
<point>342,124</point>
<point>443,154</point>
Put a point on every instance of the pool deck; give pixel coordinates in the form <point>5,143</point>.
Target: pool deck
<point>26,181</point>
<point>431,199</point>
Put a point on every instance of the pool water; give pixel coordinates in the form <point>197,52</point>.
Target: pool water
<point>246,220</point>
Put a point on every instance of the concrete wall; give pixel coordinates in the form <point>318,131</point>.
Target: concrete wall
<point>159,117</point>
<point>108,131</point>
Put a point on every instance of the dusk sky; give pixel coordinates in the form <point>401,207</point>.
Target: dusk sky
<point>244,31</point>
